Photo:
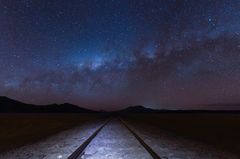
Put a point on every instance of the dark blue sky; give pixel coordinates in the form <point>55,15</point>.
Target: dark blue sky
<point>107,54</point>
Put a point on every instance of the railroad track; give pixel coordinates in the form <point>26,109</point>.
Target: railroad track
<point>147,147</point>
<point>80,150</point>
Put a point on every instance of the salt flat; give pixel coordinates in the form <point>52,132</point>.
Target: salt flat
<point>59,146</point>
<point>173,146</point>
<point>115,141</point>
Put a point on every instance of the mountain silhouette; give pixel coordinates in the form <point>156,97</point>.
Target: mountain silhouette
<point>141,109</point>
<point>8,105</point>
<point>137,109</point>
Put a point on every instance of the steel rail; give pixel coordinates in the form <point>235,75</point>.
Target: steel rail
<point>80,150</point>
<point>142,142</point>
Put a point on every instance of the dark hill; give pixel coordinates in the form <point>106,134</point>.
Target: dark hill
<point>142,109</point>
<point>137,109</point>
<point>8,105</point>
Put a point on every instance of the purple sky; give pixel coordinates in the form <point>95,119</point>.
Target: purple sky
<point>108,54</point>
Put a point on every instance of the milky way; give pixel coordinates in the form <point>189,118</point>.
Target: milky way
<point>108,54</point>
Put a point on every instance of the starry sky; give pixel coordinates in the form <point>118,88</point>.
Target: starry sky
<point>109,54</point>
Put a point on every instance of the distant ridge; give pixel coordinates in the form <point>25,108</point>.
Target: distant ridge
<point>137,109</point>
<point>141,109</point>
<point>8,105</point>
<point>229,104</point>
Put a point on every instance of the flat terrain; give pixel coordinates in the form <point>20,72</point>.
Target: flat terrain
<point>169,136</point>
<point>115,141</point>
<point>218,130</point>
<point>21,129</point>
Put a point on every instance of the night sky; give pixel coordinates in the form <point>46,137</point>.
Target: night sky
<point>108,54</point>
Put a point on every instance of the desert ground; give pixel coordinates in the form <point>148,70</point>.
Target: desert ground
<point>17,130</point>
<point>169,136</point>
<point>216,129</point>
